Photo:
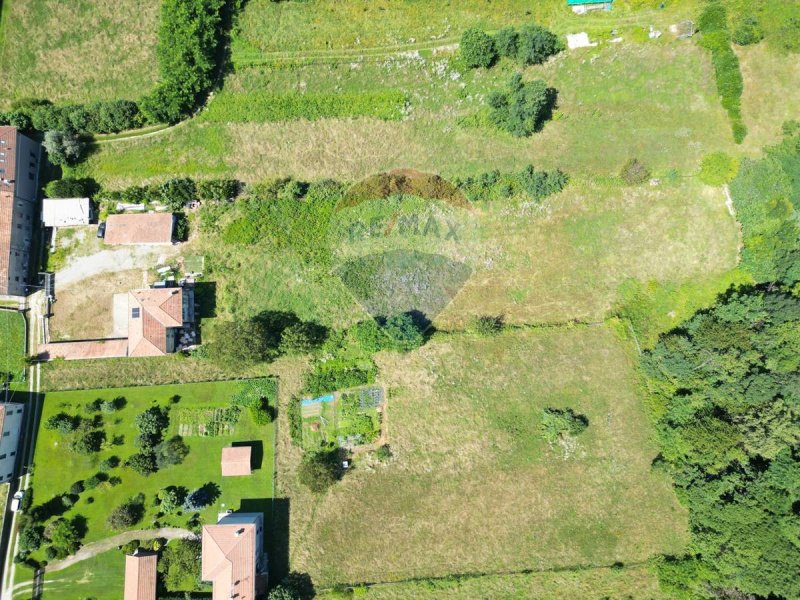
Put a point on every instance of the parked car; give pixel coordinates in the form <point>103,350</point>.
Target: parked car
<point>16,500</point>
<point>101,229</point>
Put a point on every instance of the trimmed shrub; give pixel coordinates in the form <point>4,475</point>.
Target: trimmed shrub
<point>71,187</point>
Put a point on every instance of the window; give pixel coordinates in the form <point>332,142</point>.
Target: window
<point>8,476</point>
<point>30,176</point>
<point>32,165</point>
<point>33,155</point>
<point>2,456</point>
<point>19,411</point>
<point>13,453</point>
<point>8,433</point>
<point>135,313</point>
<point>15,279</point>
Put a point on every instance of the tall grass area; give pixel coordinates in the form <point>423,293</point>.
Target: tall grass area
<point>12,345</point>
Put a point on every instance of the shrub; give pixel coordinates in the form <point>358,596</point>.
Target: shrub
<point>493,185</point>
<point>301,338</point>
<point>535,44</point>
<point>171,452</point>
<point>87,441</point>
<point>181,227</point>
<point>109,463</point>
<point>63,423</point>
<point>487,324</point>
<point>50,553</point>
<point>319,470</point>
<point>71,187</point>
<point>63,147</point>
<point>126,515</point>
<point>76,488</point>
<point>171,499</point>
<point>505,41</point>
<point>748,32</point>
<point>177,193</point>
<point>244,341</point>
<point>31,538</point>
<point>523,109</point>
<point>403,333</point>
<point>92,482</point>
<point>477,48</point>
<point>558,423</point>
<point>295,421</point>
<point>383,453</point>
<point>718,168</point>
<point>197,499</point>
<point>64,534</point>
<point>634,172</point>
<point>218,190</point>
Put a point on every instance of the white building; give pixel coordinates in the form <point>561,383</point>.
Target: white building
<point>66,212</point>
<point>11,414</point>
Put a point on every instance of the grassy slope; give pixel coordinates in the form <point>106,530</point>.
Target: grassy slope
<point>472,488</point>
<point>12,344</point>
<point>79,50</point>
<point>57,468</point>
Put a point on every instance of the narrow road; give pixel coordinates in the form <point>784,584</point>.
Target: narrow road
<point>95,548</point>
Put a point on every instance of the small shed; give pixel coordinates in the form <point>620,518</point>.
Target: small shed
<point>580,7</point>
<point>66,212</point>
<point>236,461</point>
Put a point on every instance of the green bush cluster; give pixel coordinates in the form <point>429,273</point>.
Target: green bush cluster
<point>523,108</point>
<point>529,183</point>
<point>748,31</point>
<point>189,38</point>
<point>713,23</point>
<point>529,45</point>
<point>718,168</point>
<point>763,193</point>
<point>108,116</point>
<point>558,423</point>
<point>408,183</point>
<point>258,107</point>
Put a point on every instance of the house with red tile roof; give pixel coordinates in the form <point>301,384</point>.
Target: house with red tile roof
<point>155,316</point>
<point>19,181</point>
<point>236,461</point>
<point>233,556</point>
<point>139,228</point>
<point>140,575</point>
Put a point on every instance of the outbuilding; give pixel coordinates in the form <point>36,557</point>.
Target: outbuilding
<point>66,212</point>
<point>580,7</point>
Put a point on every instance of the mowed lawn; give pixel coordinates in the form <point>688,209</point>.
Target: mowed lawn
<point>12,345</point>
<point>472,487</point>
<point>78,51</point>
<point>100,577</point>
<point>56,467</point>
<point>615,102</point>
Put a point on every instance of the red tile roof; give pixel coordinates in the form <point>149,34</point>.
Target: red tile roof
<point>236,461</point>
<point>142,228</point>
<point>229,560</point>
<point>140,576</point>
<point>8,142</point>
<point>158,309</point>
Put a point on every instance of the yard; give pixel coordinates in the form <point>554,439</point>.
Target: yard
<point>473,488</point>
<point>191,408</point>
<point>78,51</point>
<point>12,345</point>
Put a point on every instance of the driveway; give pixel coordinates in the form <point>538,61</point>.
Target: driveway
<point>112,261</point>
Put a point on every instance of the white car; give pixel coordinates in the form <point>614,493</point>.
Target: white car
<point>16,500</point>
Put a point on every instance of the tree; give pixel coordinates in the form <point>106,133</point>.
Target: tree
<point>634,172</point>
<point>143,463</point>
<point>535,44</point>
<point>201,497</point>
<point>523,109</point>
<point>171,452</point>
<point>177,193</point>
<point>295,586</point>
<point>477,48</point>
<point>319,470</point>
<point>171,499</point>
<point>301,338</point>
<point>71,187</point>
<point>126,515</point>
<point>62,422</point>
<point>243,341</point>
<point>87,440</point>
<point>179,565</point>
<point>64,534</point>
<point>63,147</point>
<point>403,332</point>
<point>505,41</point>
<point>31,538</point>
<point>153,421</point>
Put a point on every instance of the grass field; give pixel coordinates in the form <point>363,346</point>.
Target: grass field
<point>78,51</point>
<point>472,487</point>
<point>625,582</point>
<point>12,345</point>
<point>57,469</point>
<point>100,577</point>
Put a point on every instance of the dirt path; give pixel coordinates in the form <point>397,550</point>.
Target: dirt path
<point>108,261</point>
<point>92,550</point>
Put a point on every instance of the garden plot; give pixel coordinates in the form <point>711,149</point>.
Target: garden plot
<point>347,419</point>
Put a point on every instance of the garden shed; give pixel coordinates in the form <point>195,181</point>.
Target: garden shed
<point>236,461</point>
<point>580,7</point>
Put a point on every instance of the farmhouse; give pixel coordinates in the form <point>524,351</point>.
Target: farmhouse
<point>19,168</point>
<point>147,228</point>
<point>140,575</point>
<point>11,414</point>
<point>580,7</point>
<point>66,212</point>
<point>233,556</point>
<point>155,318</point>
<point>236,461</point>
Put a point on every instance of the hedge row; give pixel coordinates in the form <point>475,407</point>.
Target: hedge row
<point>98,117</point>
<point>716,37</point>
<point>388,105</point>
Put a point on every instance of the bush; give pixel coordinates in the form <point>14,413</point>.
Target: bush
<point>295,421</point>
<point>63,423</point>
<point>71,187</point>
<point>535,44</point>
<point>477,48</point>
<point>748,32</point>
<point>301,338</point>
<point>506,42</point>
<point>177,193</point>
<point>218,190</point>
<point>171,499</point>
<point>403,332</point>
<point>143,463</point>
<point>634,172</point>
<point>64,535</point>
<point>383,453</point>
<point>524,108</point>
<point>718,168</point>
<point>558,423</point>
<point>76,488</point>
<point>181,227</point>
<point>244,341</point>
<point>127,514</point>
<point>487,325</point>
<point>31,538</point>
<point>109,463</point>
<point>88,441</point>
<point>50,553</point>
<point>171,452</point>
<point>92,482</point>
<point>319,470</point>
<point>529,182</point>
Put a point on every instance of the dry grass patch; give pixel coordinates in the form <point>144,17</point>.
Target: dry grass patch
<point>79,50</point>
<point>473,488</point>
